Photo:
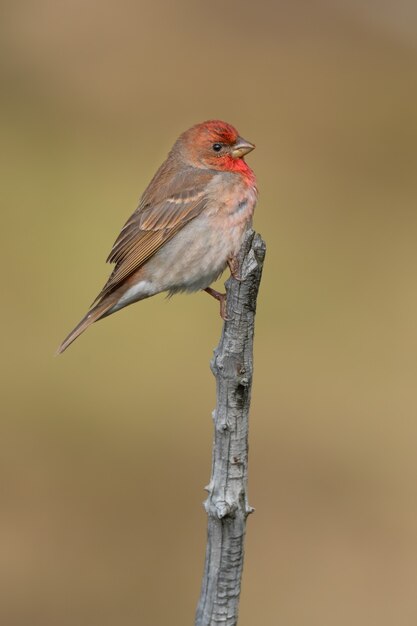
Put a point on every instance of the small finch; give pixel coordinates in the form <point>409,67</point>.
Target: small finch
<point>189,225</point>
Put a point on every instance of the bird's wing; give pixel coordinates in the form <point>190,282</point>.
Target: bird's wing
<point>164,209</point>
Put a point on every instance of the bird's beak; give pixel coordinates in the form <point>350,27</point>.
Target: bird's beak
<point>241,148</point>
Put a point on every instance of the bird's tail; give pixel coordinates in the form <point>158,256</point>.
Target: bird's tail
<point>93,315</point>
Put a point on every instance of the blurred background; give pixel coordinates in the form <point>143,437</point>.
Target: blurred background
<point>105,450</point>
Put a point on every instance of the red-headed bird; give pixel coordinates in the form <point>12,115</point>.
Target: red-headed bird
<point>189,225</point>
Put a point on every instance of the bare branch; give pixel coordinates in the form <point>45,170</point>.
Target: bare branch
<point>227,504</point>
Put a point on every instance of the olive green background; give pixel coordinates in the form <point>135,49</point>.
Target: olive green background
<point>105,450</point>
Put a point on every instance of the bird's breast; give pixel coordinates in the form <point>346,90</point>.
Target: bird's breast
<point>198,253</point>
<point>233,204</point>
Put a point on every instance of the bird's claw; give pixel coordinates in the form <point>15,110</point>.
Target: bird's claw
<point>233,264</point>
<point>223,305</point>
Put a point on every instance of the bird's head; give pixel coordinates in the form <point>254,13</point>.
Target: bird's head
<point>214,145</point>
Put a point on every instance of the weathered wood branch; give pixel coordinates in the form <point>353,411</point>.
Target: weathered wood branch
<point>227,503</point>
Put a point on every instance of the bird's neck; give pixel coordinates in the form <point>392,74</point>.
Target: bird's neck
<point>239,166</point>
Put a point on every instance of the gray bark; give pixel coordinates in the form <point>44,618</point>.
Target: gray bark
<point>227,503</point>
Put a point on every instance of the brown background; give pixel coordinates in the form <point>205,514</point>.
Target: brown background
<point>105,451</point>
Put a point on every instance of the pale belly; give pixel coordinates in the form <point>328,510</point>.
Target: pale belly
<point>196,256</point>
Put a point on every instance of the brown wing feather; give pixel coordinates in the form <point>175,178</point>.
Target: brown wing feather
<point>164,209</point>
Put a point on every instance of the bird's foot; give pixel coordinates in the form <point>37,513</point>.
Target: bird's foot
<point>233,264</point>
<point>221,297</point>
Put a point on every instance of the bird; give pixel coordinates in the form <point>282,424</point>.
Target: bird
<point>188,227</point>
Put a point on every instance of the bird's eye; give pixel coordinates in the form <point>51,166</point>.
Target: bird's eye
<point>217,147</point>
